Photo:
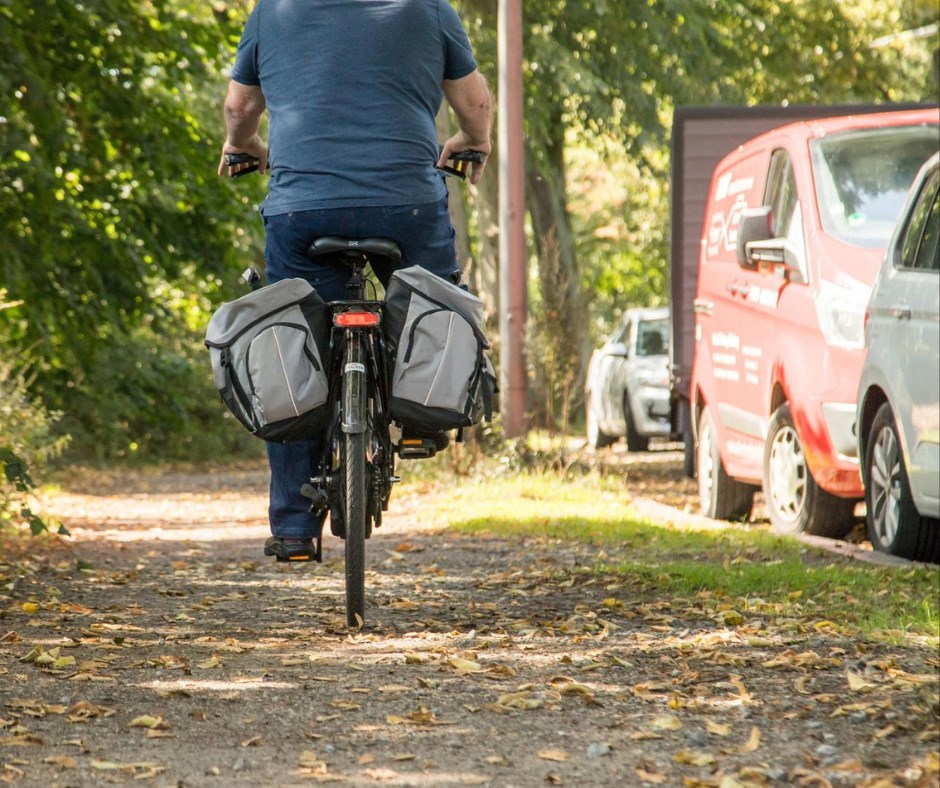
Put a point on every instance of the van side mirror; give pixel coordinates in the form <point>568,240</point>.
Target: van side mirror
<point>776,255</point>
<point>754,226</point>
<point>618,349</point>
<point>758,249</point>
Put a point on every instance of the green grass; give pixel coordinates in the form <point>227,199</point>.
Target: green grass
<point>740,566</point>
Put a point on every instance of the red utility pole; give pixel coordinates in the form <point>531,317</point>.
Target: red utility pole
<point>512,261</point>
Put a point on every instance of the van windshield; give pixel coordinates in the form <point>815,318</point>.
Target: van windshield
<point>862,179</point>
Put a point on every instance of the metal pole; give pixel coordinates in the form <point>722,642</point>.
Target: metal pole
<point>512,261</point>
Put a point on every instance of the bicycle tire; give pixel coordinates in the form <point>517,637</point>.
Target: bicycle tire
<point>354,464</point>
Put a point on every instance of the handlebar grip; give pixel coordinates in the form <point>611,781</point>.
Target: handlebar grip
<point>462,159</point>
<point>475,156</point>
<point>236,160</point>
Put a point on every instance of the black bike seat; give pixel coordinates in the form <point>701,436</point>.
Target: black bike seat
<point>331,244</point>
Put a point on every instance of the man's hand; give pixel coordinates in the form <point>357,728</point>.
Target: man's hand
<point>461,142</point>
<point>255,148</point>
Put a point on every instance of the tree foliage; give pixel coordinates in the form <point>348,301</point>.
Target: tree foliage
<point>109,124</point>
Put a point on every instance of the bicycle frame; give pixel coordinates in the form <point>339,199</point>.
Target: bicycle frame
<point>358,460</point>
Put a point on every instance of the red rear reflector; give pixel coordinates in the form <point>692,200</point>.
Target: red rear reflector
<point>356,319</point>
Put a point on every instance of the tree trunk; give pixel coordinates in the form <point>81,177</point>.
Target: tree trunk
<point>563,303</point>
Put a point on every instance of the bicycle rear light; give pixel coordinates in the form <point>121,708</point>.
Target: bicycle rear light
<point>356,319</point>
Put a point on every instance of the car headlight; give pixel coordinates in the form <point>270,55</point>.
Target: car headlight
<point>841,313</point>
<point>656,378</point>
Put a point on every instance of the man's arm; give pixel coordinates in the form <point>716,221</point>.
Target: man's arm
<point>244,106</point>
<point>470,99</point>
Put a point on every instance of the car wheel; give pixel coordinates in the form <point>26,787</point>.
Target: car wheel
<point>596,437</point>
<point>720,496</point>
<point>795,503</point>
<point>635,441</point>
<point>893,523</point>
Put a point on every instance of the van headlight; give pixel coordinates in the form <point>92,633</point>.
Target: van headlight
<point>841,313</point>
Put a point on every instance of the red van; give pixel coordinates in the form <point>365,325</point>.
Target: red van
<point>796,225</point>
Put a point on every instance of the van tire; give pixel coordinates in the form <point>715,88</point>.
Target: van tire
<point>720,496</point>
<point>893,523</point>
<point>635,441</point>
<point>596,437</point>
<point>795,502</point>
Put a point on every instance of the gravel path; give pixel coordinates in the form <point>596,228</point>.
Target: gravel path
<point>157,647</point>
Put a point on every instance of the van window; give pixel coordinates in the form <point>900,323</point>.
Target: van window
<point>921,244</point>
<point>781,193</point>
<point>862,178</point>
<point>784,202</point>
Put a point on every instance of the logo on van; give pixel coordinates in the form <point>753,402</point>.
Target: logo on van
<point>723,232</point>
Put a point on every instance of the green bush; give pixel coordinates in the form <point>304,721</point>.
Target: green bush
<point>150,398</point>
<point>27,443</point>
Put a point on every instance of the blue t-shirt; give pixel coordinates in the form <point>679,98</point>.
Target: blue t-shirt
<point>352,88</point>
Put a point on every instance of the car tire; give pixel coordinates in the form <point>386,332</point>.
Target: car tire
<point>893,523</point>
<point>795,502</point>
<point>635,441</point>
<point>596,437</point>
<point>720,496</point>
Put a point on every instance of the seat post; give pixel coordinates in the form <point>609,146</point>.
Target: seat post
<point>357,280</point>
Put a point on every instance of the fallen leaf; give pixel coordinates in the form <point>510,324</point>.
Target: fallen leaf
<point>753,741</point>
<point>554,755</point>
<point>651,777</point>
<point>856,682</point>
<point>464,666</point>
<point>62,761</point>
<point>717,728</point>
<point>694,757</point>
<point>666,722</point>
<point>147,721</point>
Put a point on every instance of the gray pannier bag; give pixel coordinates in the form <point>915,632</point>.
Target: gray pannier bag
<point>442,377</point>
<point>270,359</point>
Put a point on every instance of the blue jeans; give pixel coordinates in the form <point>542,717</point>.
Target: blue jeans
<point>426,237</point>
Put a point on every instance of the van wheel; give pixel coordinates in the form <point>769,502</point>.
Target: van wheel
<point>596,437</point>
<point>893,523</point>
<point>720,496</point>
<point>635,441</point>
<point>795,502</point>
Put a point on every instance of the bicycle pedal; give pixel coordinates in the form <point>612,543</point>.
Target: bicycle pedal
<point>417,448</point>
<point>318,502</point>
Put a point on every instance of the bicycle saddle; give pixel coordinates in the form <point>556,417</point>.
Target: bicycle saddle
<point>331,244</point>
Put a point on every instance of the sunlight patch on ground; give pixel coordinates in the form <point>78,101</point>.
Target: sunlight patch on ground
<point>160,534</point>
<point>211,685</point>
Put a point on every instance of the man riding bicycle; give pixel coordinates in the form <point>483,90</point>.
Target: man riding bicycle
<point>352,88</point>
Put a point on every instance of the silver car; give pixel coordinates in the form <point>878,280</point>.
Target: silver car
<point>627,387</point>
<point>898,419</point>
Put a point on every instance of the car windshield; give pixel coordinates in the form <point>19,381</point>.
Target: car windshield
<point>652,337</point>
<point>862,179</point>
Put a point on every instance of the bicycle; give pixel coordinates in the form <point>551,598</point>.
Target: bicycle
<point>357,468</point>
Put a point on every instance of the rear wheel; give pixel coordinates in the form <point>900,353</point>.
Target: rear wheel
<point>635,441</point>
<point>354,469</point>
<point>720,496</point>
<point>893,523</point>
<point>795,502</point>
<point>596,437</point>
